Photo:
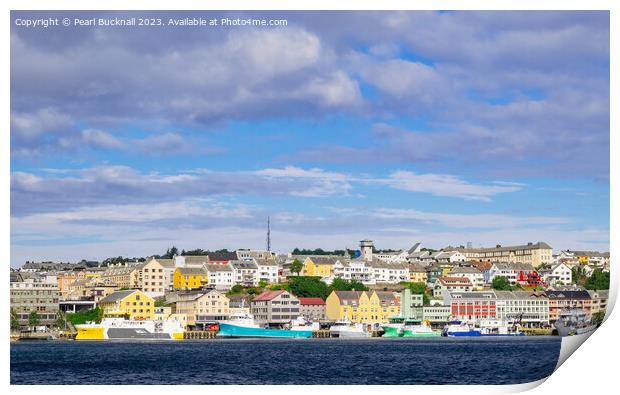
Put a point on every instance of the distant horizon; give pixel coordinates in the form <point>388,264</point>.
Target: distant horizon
<point>554,251</point>
<point>439,127</point>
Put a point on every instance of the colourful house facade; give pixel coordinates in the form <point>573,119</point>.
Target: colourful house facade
<point>136,304</point>
<point>189,278</point>
<point>319,266</point>
<point>362,306</point>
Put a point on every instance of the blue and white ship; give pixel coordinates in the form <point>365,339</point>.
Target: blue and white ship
<point>458,328</point>
<point>243,325</point>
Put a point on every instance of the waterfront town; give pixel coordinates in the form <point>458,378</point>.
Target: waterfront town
<point>526,286</point>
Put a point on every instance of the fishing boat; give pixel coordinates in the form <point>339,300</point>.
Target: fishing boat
<point>346,329</point>
<point>573,322</point>
<point>417,328</point>
<point>457,328</point>
<point>394,328</point>
<point>121,328</point>
<point>499,328</point>
<point>243,325</point>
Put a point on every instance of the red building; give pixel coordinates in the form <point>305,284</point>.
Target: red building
<point>530,279</point>
<point>472,306</point>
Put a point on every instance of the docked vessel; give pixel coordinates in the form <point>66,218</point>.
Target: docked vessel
<point>573,322</point>
<point>417,328</point>
<point>243,325</point>
<point>487,328</point>
<point>394,328</point>
<point>345,329</point>
<point>119,328</point>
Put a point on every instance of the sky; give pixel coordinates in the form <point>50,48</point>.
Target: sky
<point>436,127</point>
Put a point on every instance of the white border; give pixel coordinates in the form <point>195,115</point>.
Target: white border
<point>591,370</point>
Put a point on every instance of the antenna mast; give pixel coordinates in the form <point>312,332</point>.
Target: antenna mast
<point>268,234</point>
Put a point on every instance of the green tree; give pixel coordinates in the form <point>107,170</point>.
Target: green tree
<point>160,302</point>
<point>82,317</point>
<point>501,283</point>
<point>598,280</point>
<point>296,266</point>
<point>578,275</point>
<point>33,319</point>
<point>236,289</point>
<point>339,284</point>
<point>14,321</point>
<point>598,318</point>
<point>277,287</point>
<point>171,252</point>
<point>61,320</point>
<point>305,286</point>
<point>263,284</point>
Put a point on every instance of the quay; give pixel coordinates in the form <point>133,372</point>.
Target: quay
<point>537,331</point>
<point>320,334</point>
<point>199,335</point>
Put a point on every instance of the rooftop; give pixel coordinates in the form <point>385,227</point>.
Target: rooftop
<point>268,295</point>
<point>311,301</point>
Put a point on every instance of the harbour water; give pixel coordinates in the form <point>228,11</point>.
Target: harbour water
<point>287,361</point>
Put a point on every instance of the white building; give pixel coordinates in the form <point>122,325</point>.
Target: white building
<point>448,257</point>
<point>392,257</point>
<point>220,276</point>
<point>356,269</point>
<point>267,270</point>
<point>511,271</point>
<point>245,272</point>
<point>445,285</point>
<point>391,273</point>
<point>475,276</point>
<point>556,274</point>
<point>248,255</point>
<point>528,307</point>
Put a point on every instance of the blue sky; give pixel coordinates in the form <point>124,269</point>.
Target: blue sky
<point>442,128</point>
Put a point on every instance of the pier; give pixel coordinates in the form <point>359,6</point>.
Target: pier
<point>537,331</point>
<point>199,335</point>
<point>320,334</point>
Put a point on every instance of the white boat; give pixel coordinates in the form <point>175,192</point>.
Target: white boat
<point>119,328</point>
<point>573,322</point>
<point>417,328</point>
<point>302,324</point>
<point>346,329</point>
<point>457,328</point>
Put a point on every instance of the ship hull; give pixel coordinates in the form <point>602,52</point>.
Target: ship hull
<point>564,330</point>
<point>407,333</point>
<point>229,330</point>
<point>353,335</point>
<point>478,334</point>
<point>129,330</point>
<point>390,331</point>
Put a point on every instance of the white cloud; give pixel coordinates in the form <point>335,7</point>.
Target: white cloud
<point>446,185</point>
<point>325,183</point>
<point>101,139</point>
<point>449,220</point>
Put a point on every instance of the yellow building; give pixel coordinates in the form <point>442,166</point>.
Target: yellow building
<point>202,308</point>
<point>417,274</point>
<point>123,276</point>
<point>319,266</point>
<point>137,304</point>
<point>189,278</point>
<point>356,306</point>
